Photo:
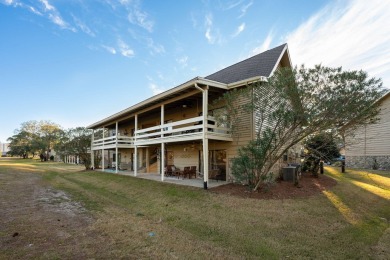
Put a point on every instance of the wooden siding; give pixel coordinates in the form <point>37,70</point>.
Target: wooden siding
<point>372,140</point>
<point>243,131</point>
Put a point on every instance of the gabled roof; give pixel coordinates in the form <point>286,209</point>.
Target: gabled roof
<point>262,64</point>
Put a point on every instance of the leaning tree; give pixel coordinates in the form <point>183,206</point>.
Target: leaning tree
<point>292,105</point>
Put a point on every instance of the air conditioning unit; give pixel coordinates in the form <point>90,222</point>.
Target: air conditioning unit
<point>288,173</point>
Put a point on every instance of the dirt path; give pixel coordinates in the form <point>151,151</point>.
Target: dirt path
<point>37,221</point>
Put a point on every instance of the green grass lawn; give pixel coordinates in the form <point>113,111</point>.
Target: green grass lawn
<point>350,221</point>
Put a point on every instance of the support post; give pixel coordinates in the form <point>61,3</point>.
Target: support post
<point>135,163</point>
<point>162,153</point>
<point>92,152</point>
<point>162,158</point>
<point>103,152</point>
<point>135,160</point>
<point>116,147</point>
<point>205,139</point>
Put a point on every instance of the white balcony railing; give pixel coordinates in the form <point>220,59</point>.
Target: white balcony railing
<point>188,129</point>
<point>120,141</point>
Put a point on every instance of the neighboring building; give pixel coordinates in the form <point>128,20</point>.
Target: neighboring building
<point>369,147</point>
<point>180,123</point>
<point>4,149</point>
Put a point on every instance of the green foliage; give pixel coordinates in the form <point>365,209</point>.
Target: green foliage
<point>294,104</point>
<point>34,137</point>
<point>77,142</point>
<point>320,146</point>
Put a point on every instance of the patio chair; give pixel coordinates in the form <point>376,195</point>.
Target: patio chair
<point>171,170</point>
<point>192,172</point>
<point>186,171</point>
<point>168,170</point>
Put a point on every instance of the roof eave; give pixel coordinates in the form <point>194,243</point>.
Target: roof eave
<point>197,80</point>
<point>247,81</point>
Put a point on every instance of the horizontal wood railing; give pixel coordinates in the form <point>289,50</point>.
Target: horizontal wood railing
<point>192,127</point>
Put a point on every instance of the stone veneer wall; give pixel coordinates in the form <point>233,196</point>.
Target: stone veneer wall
<point>381,162</point>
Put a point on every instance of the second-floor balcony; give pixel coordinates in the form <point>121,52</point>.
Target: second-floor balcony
<point>178,131</point>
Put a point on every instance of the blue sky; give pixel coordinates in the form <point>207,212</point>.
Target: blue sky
<point>75,62</point>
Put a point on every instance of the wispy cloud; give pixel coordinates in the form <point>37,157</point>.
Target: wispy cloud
<point>232,4</point>
<point>82,26</point>
<point>194,20</point>
<point>245,8</point>
<point>125,49</point>
<point>265,45</point>
<point>109,49</point>
<point>212,35</point>
<point>8,2</point>
<point>138,16</point>
<point>155,89</point>
<point>35,11</point>
<point>16,3</point>
<point>45,9</point>
<point>183,61</point>
<point>55,16</point>
<point>155,48</point>
<point>208,23</point>
<point>141,18</point>
<point>239,30</point>
<point>349,34</point>
<point>48,6</point>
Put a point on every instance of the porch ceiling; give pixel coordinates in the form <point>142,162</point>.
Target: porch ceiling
<point>150,108</point>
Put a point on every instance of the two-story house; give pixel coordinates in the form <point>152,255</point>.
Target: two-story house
<point>177,127</point>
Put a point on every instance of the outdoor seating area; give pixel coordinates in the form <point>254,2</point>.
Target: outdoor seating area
<point>187,172</point>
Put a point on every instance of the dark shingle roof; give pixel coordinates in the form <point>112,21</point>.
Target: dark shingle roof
<point>258,65</point>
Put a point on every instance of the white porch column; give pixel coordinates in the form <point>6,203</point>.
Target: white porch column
<point>205,139</point>
<point>135,163</point>
<point>92,152</point>
<point>162,158</point>
<point>135,160</point>
<point>103,152</point>
<point>116,147</point>
<point>162,153</point>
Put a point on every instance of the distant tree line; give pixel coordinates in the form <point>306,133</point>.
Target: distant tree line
<point>41,138</point>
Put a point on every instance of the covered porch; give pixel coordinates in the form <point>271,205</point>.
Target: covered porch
<point>174,119</point>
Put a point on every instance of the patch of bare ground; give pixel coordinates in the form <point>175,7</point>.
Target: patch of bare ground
<point>308,186</point>
<point>38,221</point>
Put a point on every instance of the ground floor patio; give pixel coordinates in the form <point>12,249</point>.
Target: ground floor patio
<point>193,182</point>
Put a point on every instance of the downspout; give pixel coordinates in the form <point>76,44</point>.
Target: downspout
<point>204,138</point>
<point>116,147</point>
